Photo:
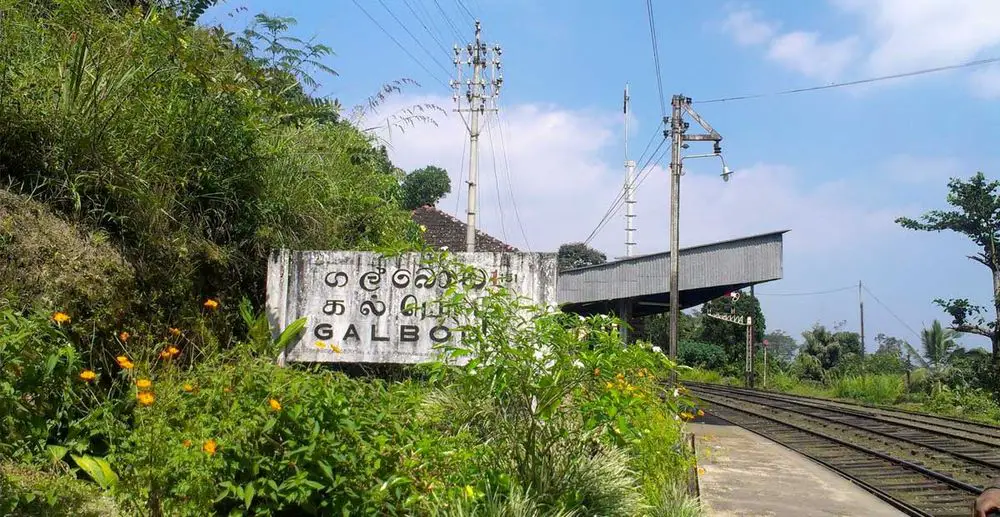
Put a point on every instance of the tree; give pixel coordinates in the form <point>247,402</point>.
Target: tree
<point>655,328</point>
<point>890,346</point>
<point>978,218</point>
<point>730,336</point>
<point>830,348</point>
<point>781,346</point>
<point>938,343</point>
<point>578,254</point>
<point>425,187</point>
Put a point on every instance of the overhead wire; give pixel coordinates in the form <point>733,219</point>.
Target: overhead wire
<point>432,33</point>
<point>891,313</point>
<point>503,123</point>
<point>811,293</point>
<point>617,203</point>
<point>656,57</point>
<point>400,45</point>
<point>496,178</point>
<point>462,6</point>
<point>415,39</point>
<point>969,64</point>
<point>461,178</point>
<point>447,19</point>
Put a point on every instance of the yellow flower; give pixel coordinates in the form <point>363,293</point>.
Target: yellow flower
<point>335,348</point>
<point>124,362</point>
<point>320,344</point>
<point>211,304</point>
<point>701,413</point>
<point>469,491</point>
<point>123,336</point>
<point>227,389</point>
<point>165,354</point>
<point>173,351</point>
<point>686,416</point>
<point>175,332</point>
<point>60,317</point>
<point>188,388</point>
<point>609,385</point>
<point>423,228</point>
<point>701,471</point>
<point>88,375</point>
<point>210,447</point>
<point>143,383</point>
<point>146,398</point>
<point>275,405</point>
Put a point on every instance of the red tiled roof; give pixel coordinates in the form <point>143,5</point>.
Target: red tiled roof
<point>445,230</point>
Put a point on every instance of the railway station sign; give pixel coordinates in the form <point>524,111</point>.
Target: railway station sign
<point>362,307</point>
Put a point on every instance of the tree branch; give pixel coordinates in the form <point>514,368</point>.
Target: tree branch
<point>973,329</point>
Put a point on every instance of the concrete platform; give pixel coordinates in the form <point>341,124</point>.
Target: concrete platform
<point>741,473</point>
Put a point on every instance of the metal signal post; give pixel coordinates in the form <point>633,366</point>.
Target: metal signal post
<point>483,88</point>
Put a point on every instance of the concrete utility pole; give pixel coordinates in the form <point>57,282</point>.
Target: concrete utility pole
<point>861,305</point>
<point>479,57</point>
<point>678,135</point>
<point>629,190</point>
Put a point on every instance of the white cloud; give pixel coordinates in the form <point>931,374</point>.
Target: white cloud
<point>986,82</point>
<point>910,34</point>
<point>565,172</point>
<point>748,28</point>
<point>891,36</point>
<point>805,53</point>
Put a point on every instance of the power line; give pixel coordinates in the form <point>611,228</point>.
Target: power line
<point>462,5</point>
<point>461,177</point>
<point>893,314</point>
<point>969,64</point>
<point>496,179</point>
<point>447,19</point>
<point>616,204</point>
<point>415,39</point>
<point>811,293</point>
<point>400,45</point>
<point>509,178</point>
<point>433,34</point>
<point>656,58</point>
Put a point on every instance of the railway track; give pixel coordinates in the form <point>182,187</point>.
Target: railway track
<point>921,464</point>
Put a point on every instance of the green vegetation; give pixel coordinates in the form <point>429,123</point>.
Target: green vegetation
<point>578,254</point>
<point>425,187</point>
<point>149,166</point>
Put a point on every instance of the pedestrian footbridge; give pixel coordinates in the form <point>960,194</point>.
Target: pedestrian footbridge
<point>639,286</point>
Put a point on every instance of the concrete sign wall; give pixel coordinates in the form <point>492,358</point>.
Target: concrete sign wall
<point>366,308</point>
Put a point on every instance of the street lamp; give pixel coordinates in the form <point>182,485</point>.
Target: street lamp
<point>726,171</point>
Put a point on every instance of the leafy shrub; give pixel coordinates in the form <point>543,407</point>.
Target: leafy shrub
<point>31,491</point>
<point>702,355</point>
<point>38,377</point>
<point>966,403</point>
<point>875,389</point>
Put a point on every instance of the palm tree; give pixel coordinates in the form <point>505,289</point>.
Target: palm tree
<point>938,343</point>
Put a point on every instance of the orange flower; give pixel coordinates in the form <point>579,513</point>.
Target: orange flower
<point>143,383</point>
<point>146,398</point>
<point>124,362</point>
<point>175,332</point>
<point>211,304</point>
<point>123,336</point>
<point>173,351</point>
<point>597,372</point>
<point>60,317</point>
<point>275,405</point>
<point>188,388</point>
<point>165,354</point>
<point>210,447</point>
<point>186,443</point>
<point>88,375</point>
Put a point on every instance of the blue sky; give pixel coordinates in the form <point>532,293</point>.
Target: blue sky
<point>835,167</point>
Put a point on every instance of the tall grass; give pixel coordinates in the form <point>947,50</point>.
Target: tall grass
<point>874,389</point>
